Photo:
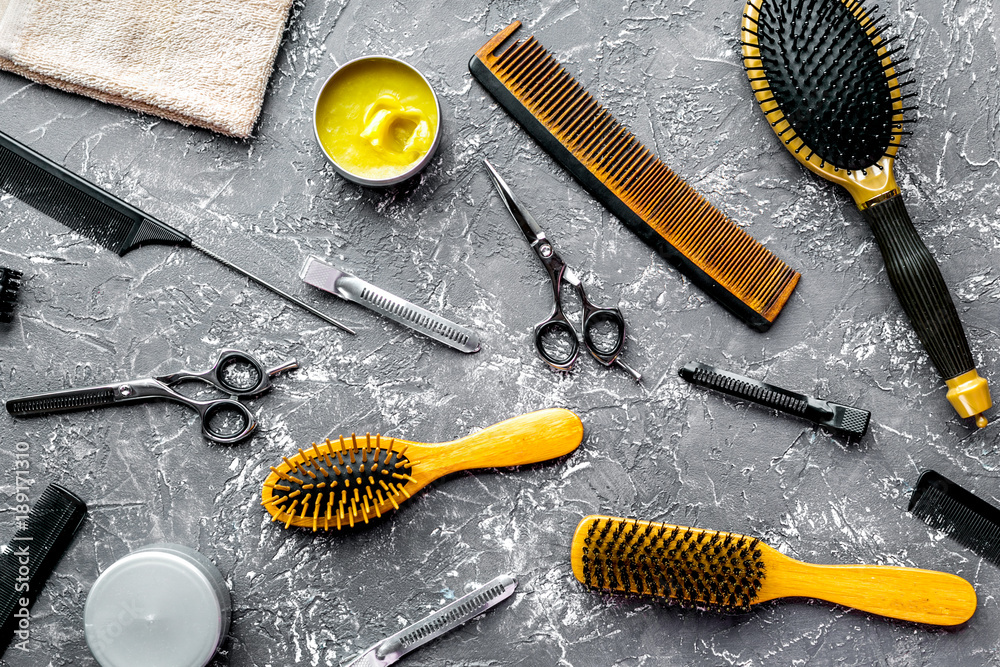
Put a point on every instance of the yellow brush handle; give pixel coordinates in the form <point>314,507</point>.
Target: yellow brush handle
<point>536,436</point>
<point>906,593</point>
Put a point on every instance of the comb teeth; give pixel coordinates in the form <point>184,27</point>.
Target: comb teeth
<point>10,284</point>
<point>454,614</point>
<point>338,484</point>
<point>44,536</point>
<point>704,568</point>
<point>744,388</point>
<point>969,520</point>
<point>79,400</point>
<point>61,201</point>
<point>403,310</point>
<point>643,192</point>
<point>77,203</point>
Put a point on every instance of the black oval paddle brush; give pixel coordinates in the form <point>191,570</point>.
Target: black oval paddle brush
<point>824,75</point>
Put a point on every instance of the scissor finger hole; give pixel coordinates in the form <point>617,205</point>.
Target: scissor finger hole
<point>604,333</point>
<point>225,420</point>
<point>557,342</point>
<point>238,374</point>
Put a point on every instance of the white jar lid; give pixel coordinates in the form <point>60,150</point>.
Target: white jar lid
<point>161,606</point>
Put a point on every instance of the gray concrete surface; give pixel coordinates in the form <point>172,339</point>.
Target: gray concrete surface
<point>661,451</point>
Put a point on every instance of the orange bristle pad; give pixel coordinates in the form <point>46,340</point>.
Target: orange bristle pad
<point>338,484</point>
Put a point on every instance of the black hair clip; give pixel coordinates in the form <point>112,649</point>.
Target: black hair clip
<point>844,419</point>
<point>10,283</point>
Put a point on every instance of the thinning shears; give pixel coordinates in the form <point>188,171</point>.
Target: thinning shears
<point>446,619</point>
<point>224,420</point>
<point>556,339</point>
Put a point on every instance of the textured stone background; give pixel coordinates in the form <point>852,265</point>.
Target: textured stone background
<point>661,451</point>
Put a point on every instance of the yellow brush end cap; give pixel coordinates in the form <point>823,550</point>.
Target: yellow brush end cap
<point>970,396</point>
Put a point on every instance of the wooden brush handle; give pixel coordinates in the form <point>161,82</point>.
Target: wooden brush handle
<point>536,436</point>
<point>906,593</point>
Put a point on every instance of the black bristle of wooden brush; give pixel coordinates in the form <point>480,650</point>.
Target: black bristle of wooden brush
<point>704,569</point>
<point>10,284</point>
<point>366,467</point>
<point>823,68</point>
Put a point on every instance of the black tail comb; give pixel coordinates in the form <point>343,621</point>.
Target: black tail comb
<point>843,419</point>
<point>77,203</point>
<point>88,210</point>
<point>10,283</point>
<point>26,562</point>
<point>961,515</point>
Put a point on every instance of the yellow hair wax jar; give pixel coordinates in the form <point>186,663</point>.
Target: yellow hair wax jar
<point>377,120</point>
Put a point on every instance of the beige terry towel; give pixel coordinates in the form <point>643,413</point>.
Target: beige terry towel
<point>197,62</point>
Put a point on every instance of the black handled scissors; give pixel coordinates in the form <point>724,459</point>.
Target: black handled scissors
<point>224,420</point>
<point>556,339</point>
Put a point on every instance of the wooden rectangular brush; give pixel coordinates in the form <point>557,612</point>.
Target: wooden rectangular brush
<point>614,166</point>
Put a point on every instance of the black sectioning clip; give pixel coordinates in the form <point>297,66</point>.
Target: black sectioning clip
<point>843,419</point>
<point>10,283</point>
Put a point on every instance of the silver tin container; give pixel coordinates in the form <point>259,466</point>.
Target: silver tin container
<point>163,605</point>
<point>416,167</point>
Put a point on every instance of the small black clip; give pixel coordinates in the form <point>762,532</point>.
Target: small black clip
<point>10,284</point>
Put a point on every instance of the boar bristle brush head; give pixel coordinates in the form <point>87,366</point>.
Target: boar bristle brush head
<point>702,568</point>
<point>727,572</point>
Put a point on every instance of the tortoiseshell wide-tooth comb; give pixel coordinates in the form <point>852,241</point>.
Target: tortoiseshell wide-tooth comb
<point>625,176</point>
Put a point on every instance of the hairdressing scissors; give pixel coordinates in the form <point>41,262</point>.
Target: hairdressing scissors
<point>224,420</point>
<point>556,339</point>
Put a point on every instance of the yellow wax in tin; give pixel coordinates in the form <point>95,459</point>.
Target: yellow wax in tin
<point>376,118</point>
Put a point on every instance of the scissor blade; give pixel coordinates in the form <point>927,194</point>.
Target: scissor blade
<point>529,227</point>
<point>64,400</point>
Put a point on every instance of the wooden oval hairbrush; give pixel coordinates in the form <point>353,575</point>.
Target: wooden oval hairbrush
<point>730,572</point>
<point>339,483</point>
<point>823,73</point>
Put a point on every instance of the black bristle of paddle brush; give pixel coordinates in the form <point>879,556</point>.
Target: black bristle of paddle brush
<point>26,561</point>
<point>965,517</point>
<point>347,480</point>
<point>822,63</point>
<point>10,284</point>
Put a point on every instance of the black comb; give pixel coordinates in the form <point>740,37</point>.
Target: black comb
<point>43,537</point>
<point>843,419</point>
<point>961,515</point>
<point>88,210</point>
<point>10,283</point>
